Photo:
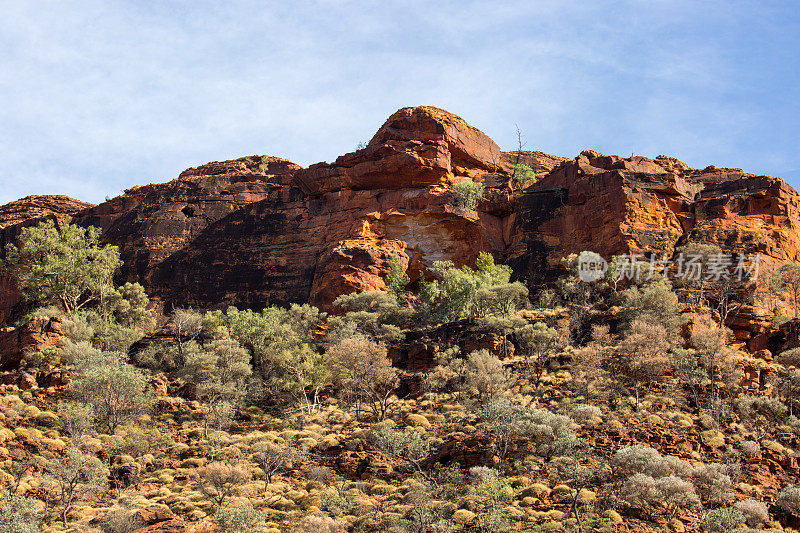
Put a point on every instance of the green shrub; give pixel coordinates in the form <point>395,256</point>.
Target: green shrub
<point>724,519</point>
<point>241,519</point>
<point>218,368</point>
<point>493,494</point>
<point>548,433</point>
<point>523,175</point>
<point>117,392</point>
<point>466,194</point>
<point>18,514</point>
<point>397,279</point>
<point>407,445</point>
<point>789,499</point>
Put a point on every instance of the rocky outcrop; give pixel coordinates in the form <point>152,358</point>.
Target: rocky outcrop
<point>35,335</point>
<point>153,222</point>
<point>616,205</point>
<point>261,230</point>
<point>37,207</point>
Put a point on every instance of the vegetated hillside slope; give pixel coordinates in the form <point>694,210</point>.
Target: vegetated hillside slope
<point>466,379</point>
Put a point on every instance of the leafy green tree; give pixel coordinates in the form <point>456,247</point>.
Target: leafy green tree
<point>493,494</point>
<point>129,306</point>
<point>219,369</point>
<point>63,265</point>
<point>500,300</point>
<point>539,342</point>
<point>502,324</point>
<point>455,291</point>
<point>654,303</point>
<point>305,373</point>
<point>787,280</point>
<point>304,321</point>
<point>488,273</point>
<point>116,391</point>
<point>397,279</point>
<point>141,440</point>
<point>266,334</point>
<point>374,314</point>
<point>74,476</point>
<point>464,292</point>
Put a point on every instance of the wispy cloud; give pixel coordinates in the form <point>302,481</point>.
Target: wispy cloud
<point>100,96</point>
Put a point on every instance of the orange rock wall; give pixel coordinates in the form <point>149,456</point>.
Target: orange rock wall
<point>260,230</point>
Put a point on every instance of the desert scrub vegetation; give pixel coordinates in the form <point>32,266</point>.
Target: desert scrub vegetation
<point>459,401</point>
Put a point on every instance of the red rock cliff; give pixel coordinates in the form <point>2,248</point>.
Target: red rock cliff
<point>261,230</point>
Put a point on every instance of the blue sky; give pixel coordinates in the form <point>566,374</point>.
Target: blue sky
<point>100,96</point>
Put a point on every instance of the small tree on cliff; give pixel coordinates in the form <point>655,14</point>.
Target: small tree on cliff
<point>466,194</point>
<point>523,175</point>
<point>397,280</point>
<point>64,266</point>
<point>787,280</point>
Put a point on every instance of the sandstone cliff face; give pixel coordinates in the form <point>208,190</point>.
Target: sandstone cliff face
<point>637,205</point>
<point>227,233</point>
<point>35,335</point>
<point>261,230</point>
<point>151,223</point>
